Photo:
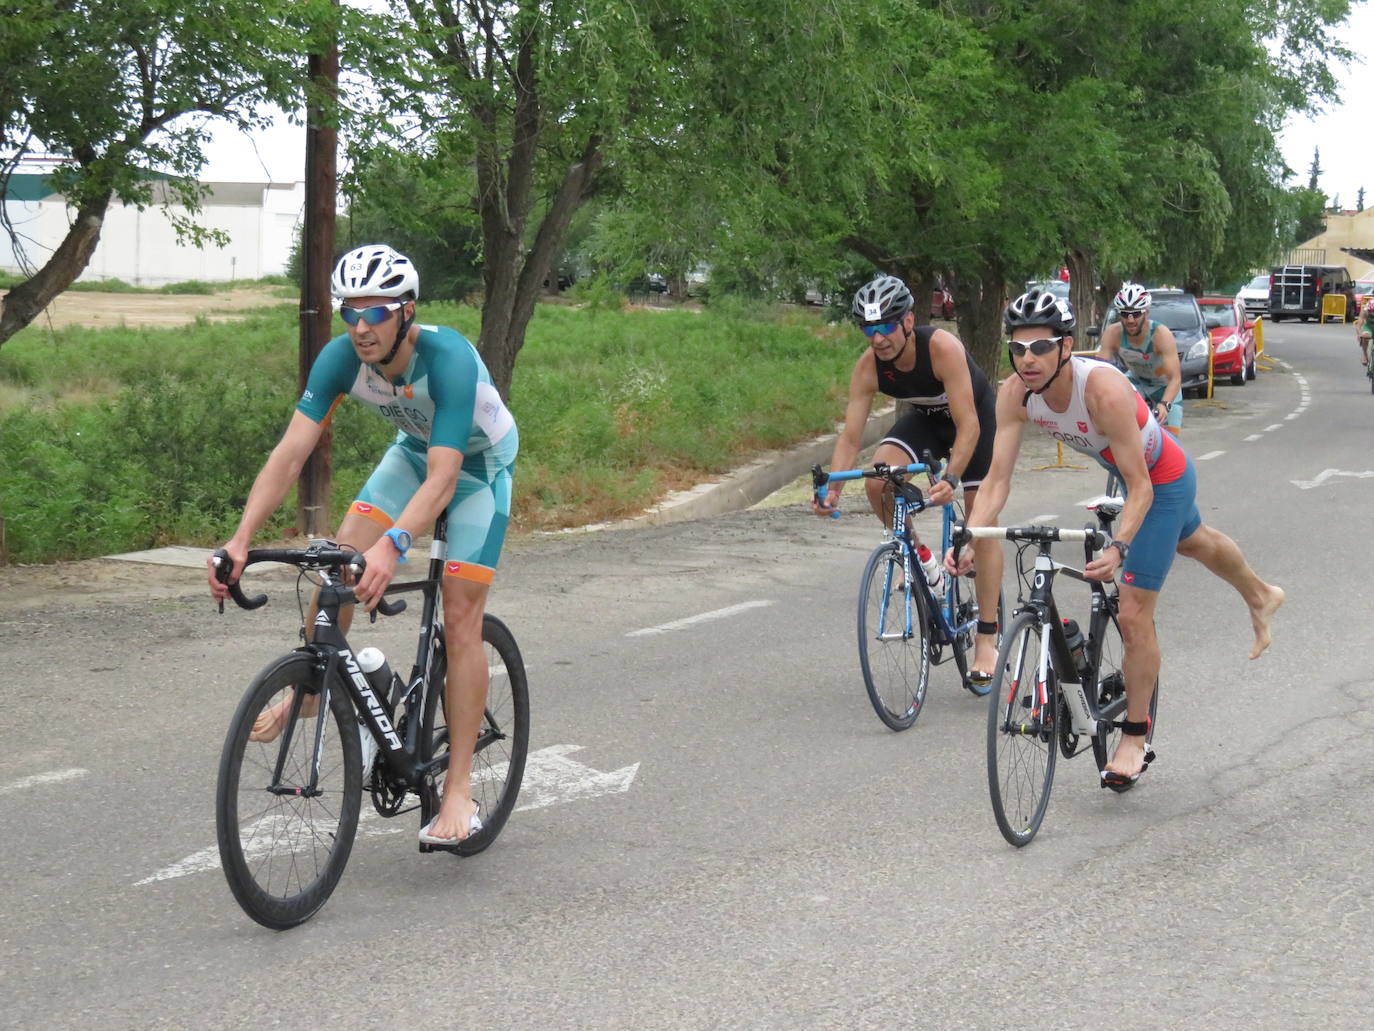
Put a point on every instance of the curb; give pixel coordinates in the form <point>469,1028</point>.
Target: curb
<point>749,484</point>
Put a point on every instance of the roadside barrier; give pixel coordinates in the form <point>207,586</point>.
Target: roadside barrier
<point>1333,305</point>
<point>1262,361</point>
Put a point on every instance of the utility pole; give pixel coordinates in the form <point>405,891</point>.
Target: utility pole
<point>317,255</point>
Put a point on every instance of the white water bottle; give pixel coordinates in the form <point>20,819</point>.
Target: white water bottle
<point>935,573</point>
<point>372,662</point>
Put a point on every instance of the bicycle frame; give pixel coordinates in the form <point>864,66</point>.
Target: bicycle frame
<point>943,610</point>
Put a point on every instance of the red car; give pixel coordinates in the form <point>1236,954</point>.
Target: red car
<point>1233,338</point>
<point>942,304</point>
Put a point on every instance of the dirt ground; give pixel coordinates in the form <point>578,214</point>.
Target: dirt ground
<point>106,310</point>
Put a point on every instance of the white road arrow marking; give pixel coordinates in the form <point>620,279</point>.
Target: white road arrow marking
<point>1327,474</point>
<point>551,778</point>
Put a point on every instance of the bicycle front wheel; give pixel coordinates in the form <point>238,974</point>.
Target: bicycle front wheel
<point>284,839</point>
<point>498,762</point>
<point>1111,692</point>
<point>894,638</point>
<point>1022,732</point>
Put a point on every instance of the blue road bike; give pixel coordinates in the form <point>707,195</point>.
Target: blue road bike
<point>905,626</point>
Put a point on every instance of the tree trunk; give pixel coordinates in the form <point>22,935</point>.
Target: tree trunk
<point>1082,296</point>
<point>979,302</point>
<point>24,302</point>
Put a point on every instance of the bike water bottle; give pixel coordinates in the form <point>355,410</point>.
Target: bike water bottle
<point>935,573</point>
<point>378,671</point>
<point>1074,636</point>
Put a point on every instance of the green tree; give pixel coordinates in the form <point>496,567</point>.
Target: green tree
<point>122,89</point>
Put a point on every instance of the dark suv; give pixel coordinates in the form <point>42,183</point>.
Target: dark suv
<point>1180,312</point>
<point>1296,291</point>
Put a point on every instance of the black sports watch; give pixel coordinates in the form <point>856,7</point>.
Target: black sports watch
<point>1122,547</point>
<point>401,539</point>
<point>952,480</point>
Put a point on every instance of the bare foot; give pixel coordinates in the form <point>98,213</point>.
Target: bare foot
<point>455,819</point>
<point>1262,618</point>
<point>1129,758</point>
<point>268,726</point>
<point>984,653</point>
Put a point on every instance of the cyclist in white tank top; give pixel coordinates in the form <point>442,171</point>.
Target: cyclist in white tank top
<point>1097,412</point>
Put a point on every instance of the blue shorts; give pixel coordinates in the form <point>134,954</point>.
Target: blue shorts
<point>1173,516</point>
<point>478,512</point>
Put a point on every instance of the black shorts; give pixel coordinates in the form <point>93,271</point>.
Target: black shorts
<point>919,431</point>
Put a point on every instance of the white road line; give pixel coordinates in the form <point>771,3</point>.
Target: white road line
<point>1271,429</point>
<point>1254,436</point>
<point>56,777</point>
<point>1291,415</point>
<point>1209,455</point>
<point>679,624</point>
<point>1049,518</point>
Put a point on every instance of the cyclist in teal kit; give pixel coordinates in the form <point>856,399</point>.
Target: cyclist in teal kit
<point>455,452</point>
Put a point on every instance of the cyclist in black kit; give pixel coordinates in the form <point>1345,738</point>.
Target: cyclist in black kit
<point>953,417</point>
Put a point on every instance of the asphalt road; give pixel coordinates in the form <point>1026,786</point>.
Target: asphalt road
<point>725,836</point>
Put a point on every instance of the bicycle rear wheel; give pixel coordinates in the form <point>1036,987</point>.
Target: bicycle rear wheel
<point>1111,691</point>
<point>498,763</point>
<point>894,638</point>
<point>284,848</point>
<point>1022,732</point>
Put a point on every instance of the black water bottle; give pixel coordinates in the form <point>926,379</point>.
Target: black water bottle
<point>1074,637</point>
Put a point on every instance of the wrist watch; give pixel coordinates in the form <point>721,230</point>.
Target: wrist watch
<point>1122,547</point>
<point>952,480</point>
<point>401,539</point>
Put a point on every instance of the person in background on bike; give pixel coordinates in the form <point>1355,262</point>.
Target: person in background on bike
<point>952,417</point>
<point>1364,328</point>
<point>1149,353</point>
<point>1092,407</point>
<point>455,452</point>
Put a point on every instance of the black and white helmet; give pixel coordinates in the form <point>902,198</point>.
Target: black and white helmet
<point>1040,308</point>
<point>375,271</point>
<point>1131,297</point>
<point>886,299</point>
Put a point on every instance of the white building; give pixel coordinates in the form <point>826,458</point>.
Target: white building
<point>141,248</point>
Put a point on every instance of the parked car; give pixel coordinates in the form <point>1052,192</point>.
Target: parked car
<point>1233,338</point>
<point>1180,312</point>
<point>1055,286</point>
<point>1254,296</point>
<point>1296,291</point>
<point>1363,288</point>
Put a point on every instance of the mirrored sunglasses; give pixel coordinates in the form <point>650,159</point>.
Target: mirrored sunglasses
<point>1132,314</point>
<point>1042,346</point>
<point>885,328</point>
<point>373,316</point>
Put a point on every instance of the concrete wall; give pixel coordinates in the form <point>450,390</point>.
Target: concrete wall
<point>140,247</point>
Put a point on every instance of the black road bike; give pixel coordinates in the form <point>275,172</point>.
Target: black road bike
<point>1054,692</point>
<point>287,809</point>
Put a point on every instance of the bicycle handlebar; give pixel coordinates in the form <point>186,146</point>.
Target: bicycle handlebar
<point>1041,534</point>
<point>333,559</point>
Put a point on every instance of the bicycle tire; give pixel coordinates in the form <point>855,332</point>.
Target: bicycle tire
<point>1022,741</point>
<point>1110,685</point>
<point>498,764</point>
<point>895,665</point>
<point>283,853</point>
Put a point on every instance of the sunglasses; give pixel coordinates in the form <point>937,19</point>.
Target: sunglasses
<point>1042,346</point>
<point>1132,314</point>
<point>885,328</point>
<point>373,316</point>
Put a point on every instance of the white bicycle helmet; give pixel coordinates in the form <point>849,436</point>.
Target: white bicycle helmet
<point>885,299</point>
<point>1131,297</point>
<point>375,271</point>
<point>1040,308</point>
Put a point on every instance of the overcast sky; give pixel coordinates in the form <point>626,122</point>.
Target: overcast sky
<point>1344,131</point>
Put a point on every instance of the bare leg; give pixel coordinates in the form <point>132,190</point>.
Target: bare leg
<point>1140,664</point>
<point>987,587</point>
<point>880,492</point>
<point>1222,556</point>
<point>465,699</point>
